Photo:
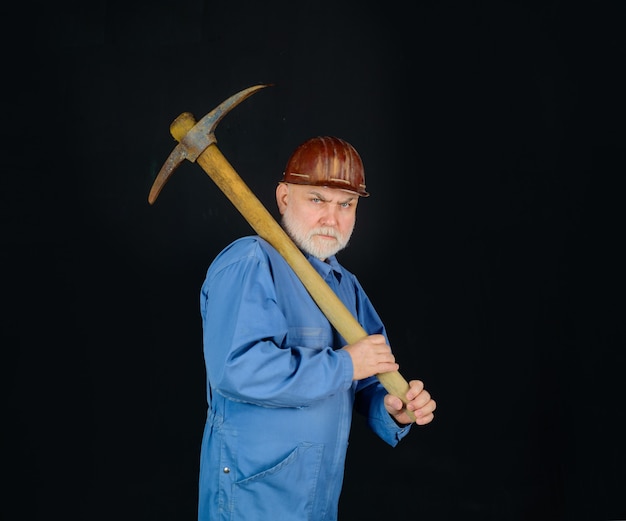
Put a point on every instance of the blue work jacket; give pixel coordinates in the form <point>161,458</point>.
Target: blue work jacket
<point>280,389</point>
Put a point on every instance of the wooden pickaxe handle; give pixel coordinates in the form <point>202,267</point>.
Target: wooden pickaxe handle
<point>197,143</point>
<point>226,178</point>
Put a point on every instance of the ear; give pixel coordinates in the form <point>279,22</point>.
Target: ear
<point>282,197</point>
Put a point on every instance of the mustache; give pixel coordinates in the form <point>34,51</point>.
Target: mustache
<point>331,232</point>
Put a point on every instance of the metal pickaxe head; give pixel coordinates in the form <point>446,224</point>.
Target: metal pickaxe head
<point>194,138</point>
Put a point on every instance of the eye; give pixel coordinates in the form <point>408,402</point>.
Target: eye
<point>346,204</point>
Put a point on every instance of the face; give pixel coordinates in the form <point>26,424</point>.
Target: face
<point>319,220</point>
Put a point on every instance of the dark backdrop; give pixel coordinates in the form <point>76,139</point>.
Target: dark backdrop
<point>493,140</point>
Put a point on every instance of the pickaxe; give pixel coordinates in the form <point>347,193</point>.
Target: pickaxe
<point>197,143</point>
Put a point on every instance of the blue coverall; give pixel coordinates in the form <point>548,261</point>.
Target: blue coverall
<point>279,388</point>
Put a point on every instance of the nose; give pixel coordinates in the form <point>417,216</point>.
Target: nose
<point>329,215</point>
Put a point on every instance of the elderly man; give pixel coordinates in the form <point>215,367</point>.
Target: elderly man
<point>281,382</point>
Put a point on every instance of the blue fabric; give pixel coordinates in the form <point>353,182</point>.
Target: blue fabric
<point>280,391</point>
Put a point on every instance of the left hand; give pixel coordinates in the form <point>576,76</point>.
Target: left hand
<point>419,402</point>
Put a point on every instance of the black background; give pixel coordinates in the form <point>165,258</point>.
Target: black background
<point>493,139</point>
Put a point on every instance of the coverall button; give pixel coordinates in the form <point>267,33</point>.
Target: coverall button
<point>226,470</point>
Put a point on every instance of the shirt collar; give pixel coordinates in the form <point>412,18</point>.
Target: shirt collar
<point>324,268</point>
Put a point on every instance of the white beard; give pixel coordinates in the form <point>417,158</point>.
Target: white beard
<point>310,242</point>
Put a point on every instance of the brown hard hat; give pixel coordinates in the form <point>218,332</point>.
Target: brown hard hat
<point>326,161</point>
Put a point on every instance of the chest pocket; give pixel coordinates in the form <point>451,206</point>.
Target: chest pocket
<point>315,337</point>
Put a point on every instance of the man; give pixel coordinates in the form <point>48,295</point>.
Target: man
<point>281,382</point>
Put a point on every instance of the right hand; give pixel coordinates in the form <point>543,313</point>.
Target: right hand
<point>370,356</point>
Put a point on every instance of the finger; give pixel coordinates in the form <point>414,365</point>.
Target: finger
<point>426,410</point>
<point>377,339</point>
<point>415,388</point>
<point>382,368</point>
<point>423,420</point>
<point>394,402</point>
<point>422,401</point>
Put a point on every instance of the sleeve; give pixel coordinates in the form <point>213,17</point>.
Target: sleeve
<point>370,403</point>
<point>244,332</point>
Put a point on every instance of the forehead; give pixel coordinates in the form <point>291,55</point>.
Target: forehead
<point>328,194</point>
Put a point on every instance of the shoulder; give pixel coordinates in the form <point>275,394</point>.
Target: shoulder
<point>240,249</point>
<point>245,250</point>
